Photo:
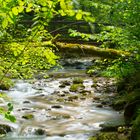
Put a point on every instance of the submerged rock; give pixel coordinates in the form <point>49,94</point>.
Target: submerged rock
<point>77,81</point>
<point>26,102</point>
<point>40,131</point>
<point>28,116</point>
<point>77,87</point>
<point>56,106</point>
<point>4,129</point>
<point>72,97</point>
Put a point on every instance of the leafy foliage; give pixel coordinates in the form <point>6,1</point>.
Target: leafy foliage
<point>8,114</point>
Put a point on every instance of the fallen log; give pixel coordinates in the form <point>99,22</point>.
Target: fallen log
<point>87,50</point>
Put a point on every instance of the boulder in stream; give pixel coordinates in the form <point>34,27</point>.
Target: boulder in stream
<point>4,129</point>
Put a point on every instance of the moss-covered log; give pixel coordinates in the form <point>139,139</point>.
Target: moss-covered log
<point>82,49</point>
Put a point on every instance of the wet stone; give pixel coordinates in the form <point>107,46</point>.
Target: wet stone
<point>60,100</point>
<point>56,92</point>
<point>104,103</point>
<point>28,116</point>
<point>62,95</point>
<point>56,106</point>
<point>40,131</point>
<point>71,98</point>
<point>66,83</point>
<point>62,86</point>
<point>26,102</point>
<point>24,109</point>
<point>99,106</point>
<point>96,98</point>
<point>4,129</point>
<point>83,98</point>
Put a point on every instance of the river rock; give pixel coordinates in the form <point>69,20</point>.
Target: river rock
<point>56,106</point>
<point>66,83</point>
<point>99,105</point>
<point>77,88</point>
<point>4,129</point>
<point>77,81</point>
<point>73,97</point>
<point>112,125</point>
<point>62,86</point>
<point>40,131</point>
<point>96,98</point>
<point>26,102</point>
<point>28,116</point>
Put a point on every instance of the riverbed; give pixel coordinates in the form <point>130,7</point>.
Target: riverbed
<point>46,109</point>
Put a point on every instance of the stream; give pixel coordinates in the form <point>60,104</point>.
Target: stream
<point>46,109</point>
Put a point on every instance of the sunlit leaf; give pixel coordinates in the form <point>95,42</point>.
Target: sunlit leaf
<point>20,9</point>
<point>63,5</point>
<point>21,3</point>
<point>5,23</point>
<point>15,11</point>
<point>78,16</point>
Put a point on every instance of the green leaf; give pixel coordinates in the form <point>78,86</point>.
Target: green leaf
<point>28,9</point>
<point>10,20</point>
<point>20,9</point>
<point>15,11</point>
<point>63,5</point>
<point>44,9</point>
<point>15,53</point>
<point>10,117</point>
<point>78,16</point>
<point>21,3</point>
<point>71,13</point>
<point>5,23</point>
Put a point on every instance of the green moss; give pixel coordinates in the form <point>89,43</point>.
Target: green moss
<point>77,81</point>
<point>72,97</point>
<point>5,84</point>
<point>122,100</point>
<point>28,116</point>
<point>4,96</point>
<point>108,136</point>
<point>136,128</point>
<point>119,103</point>
<point>76,87</point>
<point>93,138</point>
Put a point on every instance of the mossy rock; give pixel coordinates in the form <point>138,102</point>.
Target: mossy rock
<point>119,104</point>
<point>76,87</point>
<point>108,136</point>
<point>5,84</point>
<point>28,116</point>
<point>66,82</point>
<point>93,138</point>
<point>105,136</point>
<point>94,85</point>
<point>72,97</point>
<point>60,100</point>
<point>112,125</point>
<point>77,80</point>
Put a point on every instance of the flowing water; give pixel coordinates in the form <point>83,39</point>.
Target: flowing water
<point>56,112</point>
